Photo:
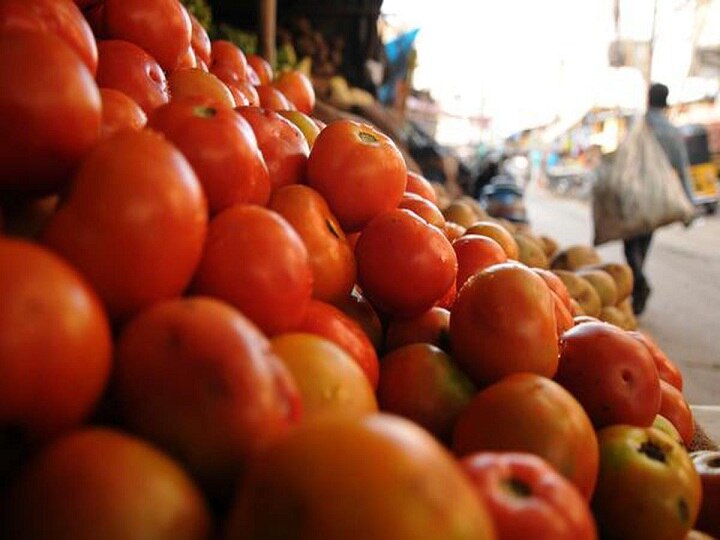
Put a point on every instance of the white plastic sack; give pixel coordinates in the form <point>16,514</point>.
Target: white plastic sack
<point>637,189</point>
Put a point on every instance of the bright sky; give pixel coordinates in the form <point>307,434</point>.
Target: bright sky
<point>526,62</point>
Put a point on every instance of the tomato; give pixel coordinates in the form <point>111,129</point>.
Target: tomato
<point>420,382</point>
<point>282,144</point>
<point>194,83</point>
<point>331,323</point>
<point>298,88</point>
<point>430,327</point>
<point>707,465</point>
<point>196,377</point>
<point>475,253</point>
<point>557,286</point>
<point>452,230</point>
<point>221,147</point>
<point>60,17</point>
<point>423,208</point>
<point>379,476</point>
<point>186,61</point>
<point>256,261</point>
<point>525,412</point>
<point>126,67</point>
<point>359,171</point>
<point>667,370</point>
<point>228,61</point>
<point>647,486</point>
<point>404,265</point>
<point>50,111</point>
<point>119,112</point>
<point>502,322</point>
<point>528,498</point>
<point>262,67</point>
<point>611,373</point>
<point>244,92</point>
<point>304,122</point>
<point>448,299</point>
<point>199,40</point>
<point>674,407</point>
<point>359,309</point>
<point>329,380</point>
<point>160,27</point>
<point>418,184</point>
<point>87,482</point>
<point>272,98</point>
<point>498,233</point>
<point>55,343</point>
<point>134,222</point>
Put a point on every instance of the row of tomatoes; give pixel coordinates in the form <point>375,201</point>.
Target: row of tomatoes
<point>192,261</point>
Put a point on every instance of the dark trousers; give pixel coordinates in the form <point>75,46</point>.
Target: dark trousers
<point>636,250</point>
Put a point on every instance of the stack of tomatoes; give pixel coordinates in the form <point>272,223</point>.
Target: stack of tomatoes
<point>221,318</point>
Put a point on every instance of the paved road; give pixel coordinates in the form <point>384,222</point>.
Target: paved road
<point>683,312</point>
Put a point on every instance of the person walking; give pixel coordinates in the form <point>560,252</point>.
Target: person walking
<point>670,139</point>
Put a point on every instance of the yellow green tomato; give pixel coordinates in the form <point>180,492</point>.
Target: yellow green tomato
<point>647,486</point>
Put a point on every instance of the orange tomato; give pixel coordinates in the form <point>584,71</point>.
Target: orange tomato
<point>430,327</point>
<point>525,412</point>
<point>119,112</point>
<point>50,111</point>
<point>272,98</point>
<point>55,343</point>
<point>134,222</point>
<point>331,258</point>
<point>331,323</point>
<point>262,67</point>
<point>256,261</point>
<point>418,184</point>
<point>674,407</point>
<point>228,61</point>
<point>502,322</point>
<point>423,208</point>
<point>298,88</point>
<point>667,370</point>
<point>498,233</point>
<point>475,253</point>
<point>194,82</point>
<point>199,40</point>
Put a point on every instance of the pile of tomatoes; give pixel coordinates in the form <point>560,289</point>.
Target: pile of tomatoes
<point>220,317</point>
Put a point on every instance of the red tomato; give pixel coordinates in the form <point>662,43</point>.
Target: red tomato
<point>331,323</point>
<point>228,61</point>
<point>525,412</point>
<point>196,377</point>
<point>126,67</point>
<point>357,307</point>
<point>298,88</point>
<point>196,83</point>
<point>186,61</point>
<point>272,98</point>
<point>430,327</point>
<point>448,299</point>
<point>134,222</point>
<point>282,144</point>
<point>55,342</point>
<point>50,111</point>
<point>199,41</point>
<point>502,322</point>
<point>404,265</point>
<point>475,253</point>
<point>674,407</point>
<point>244,93</point>
<point>423,208</point>
<point>611,373</point>
<point>221,147</point>
<point>359,171</point>
<point>256,261</point>
<point>667,370</point>
<point>528,498</point>
<point>262,67</point>
<point>119,112</point>
<point>418,184</point>
<point>60,17</point>
<point>160,27</point>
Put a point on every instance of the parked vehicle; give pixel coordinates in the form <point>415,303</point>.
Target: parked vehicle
<point>705,191</point>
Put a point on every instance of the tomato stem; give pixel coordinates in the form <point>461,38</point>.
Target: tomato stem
<point>367,137</point>
<point>204,111</point>
<point>517,487</point>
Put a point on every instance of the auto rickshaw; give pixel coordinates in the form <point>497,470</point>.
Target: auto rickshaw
<point>703,171</point>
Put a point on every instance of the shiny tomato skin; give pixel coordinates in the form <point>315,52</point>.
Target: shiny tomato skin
<point>61,17</point>
<point>525,412</point>
<point>126,67</point>
<point>404,265</point>
<point>327,321</point>
<point>221,147</point>
<point>55,342</point>
<point>134,222</point>
<point>262,67</point>
<point>298,88</point>
<point>50,111</point>
<point>359,171</point>
<point>502,322</point>
<point>273,99</point>
<point>418,184</point>
<point>667,370</point>
<point>119,112</point>
<point>528,498</point>
<point>282,144</point>
<point>160,27</point>
<point>200,41</point>
<point>423,208</point>
<point>474,254</point>
<point>228,60</point>
<point>256,261</point>
<point>611,373</point>
<point>196,83</point>
<point>674,407</point>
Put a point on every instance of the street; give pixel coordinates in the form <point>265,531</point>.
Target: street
<point>683,267</point>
